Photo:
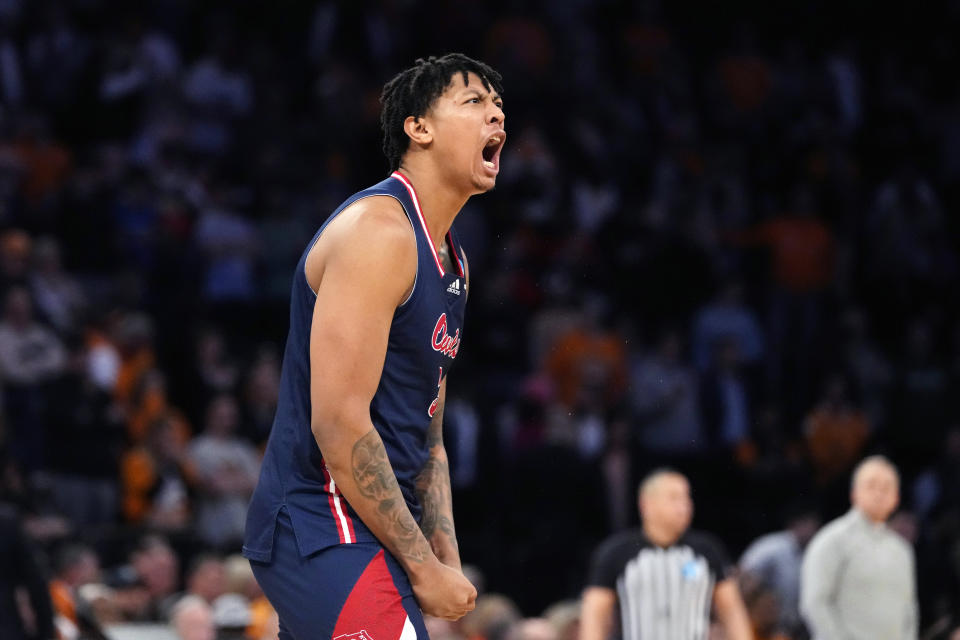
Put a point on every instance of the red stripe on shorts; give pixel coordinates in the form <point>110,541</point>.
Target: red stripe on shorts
<point>374,609</point>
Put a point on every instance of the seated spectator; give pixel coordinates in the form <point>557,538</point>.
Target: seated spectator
<point>227,469</point>
<point>58,295</point>
<point>158,478</point>
<point>491,618</point>
<point>532,629</point>
<point>260,396</point>
<point>150,577</point>
<point>240,580</point>
<point>86,424</point>
<point>192,619</point>
<point>231,616</point>
<point>836,431</point>
<point>16,247</point>
<point>666,401</point>
<point>133,336</point>
<point>726,317</point>
<point>30,356</point>
<point>564,616</point>
<point>587,356</point>
<point>76,566</point>
<point>212,371</point>
<point>207,577</point>
<point>725,402</point>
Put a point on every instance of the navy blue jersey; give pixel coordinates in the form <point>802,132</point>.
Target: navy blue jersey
<point>424,340</point>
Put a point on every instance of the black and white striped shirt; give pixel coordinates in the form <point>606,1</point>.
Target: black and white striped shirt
<point>662,593</point>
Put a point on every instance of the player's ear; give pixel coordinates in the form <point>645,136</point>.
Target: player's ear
<point>418,130</point>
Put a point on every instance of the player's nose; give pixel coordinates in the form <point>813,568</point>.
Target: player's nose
<point>497,116</point>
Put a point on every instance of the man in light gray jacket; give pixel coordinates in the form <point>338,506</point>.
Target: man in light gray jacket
<point>858,580</point>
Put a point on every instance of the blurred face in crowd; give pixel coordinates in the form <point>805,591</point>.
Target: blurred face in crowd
<point>18,308</point>
<point>208,580</point>
<point>876,490</point>
<point>157,567</point>
<point>804,528</point>
<point>666,505</point>
<point>464,128</point>
<point>85,571</point>
<point>222,415</point>
<point>194,622</point>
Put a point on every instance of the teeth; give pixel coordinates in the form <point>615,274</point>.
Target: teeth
<point>489,164</point>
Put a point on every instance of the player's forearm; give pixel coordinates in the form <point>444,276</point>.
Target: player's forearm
<point>433,491</point>
<point>367,480</point>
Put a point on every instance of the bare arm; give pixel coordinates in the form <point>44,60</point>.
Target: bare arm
<point>433,490</point>
<point>596,617</point>
<point>362,267</point>
<point>731,611</point>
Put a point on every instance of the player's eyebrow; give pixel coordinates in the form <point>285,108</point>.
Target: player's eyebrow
<point>483,95</point>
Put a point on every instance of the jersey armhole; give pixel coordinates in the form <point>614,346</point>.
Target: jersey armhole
<point>416,276</point>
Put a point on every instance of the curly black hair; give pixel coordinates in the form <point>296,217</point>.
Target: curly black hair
<point>412,91</point>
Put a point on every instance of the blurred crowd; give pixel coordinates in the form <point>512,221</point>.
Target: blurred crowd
<point>720,240</point>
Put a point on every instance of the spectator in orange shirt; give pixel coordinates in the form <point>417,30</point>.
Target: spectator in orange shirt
<point>46,164</point>
<point>76,566</point>
<point>157,477</point>
<point>587,355</point>
<point>803,256</point>
<point>836,432</point>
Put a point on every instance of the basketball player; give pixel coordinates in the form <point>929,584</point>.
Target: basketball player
<point>350,530</point>
<point>664,579</point>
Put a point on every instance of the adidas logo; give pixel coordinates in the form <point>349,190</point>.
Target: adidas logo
<point>455,287</point>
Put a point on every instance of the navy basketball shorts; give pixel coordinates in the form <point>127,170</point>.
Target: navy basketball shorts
<point>345,592</point>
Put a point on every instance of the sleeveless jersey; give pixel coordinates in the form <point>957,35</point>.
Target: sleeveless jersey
<point>424,340</point>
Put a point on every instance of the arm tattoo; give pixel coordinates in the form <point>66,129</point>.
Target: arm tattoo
<point>375,480</point>
<point>433,488</point>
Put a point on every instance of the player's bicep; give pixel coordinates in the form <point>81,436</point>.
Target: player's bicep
<point>365,277</point>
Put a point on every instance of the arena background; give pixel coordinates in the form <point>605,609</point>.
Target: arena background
<point>695,197</point>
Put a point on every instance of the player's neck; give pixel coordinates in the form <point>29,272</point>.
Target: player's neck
<point>439,202</point>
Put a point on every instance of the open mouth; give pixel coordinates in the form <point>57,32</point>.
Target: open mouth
<point>491,151</point>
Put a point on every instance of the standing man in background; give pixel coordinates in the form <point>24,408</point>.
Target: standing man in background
<point>858,580</point>
<point>776,559</point>
<point>663,578</point>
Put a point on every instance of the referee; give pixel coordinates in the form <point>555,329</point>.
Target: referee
<point>663,578</point>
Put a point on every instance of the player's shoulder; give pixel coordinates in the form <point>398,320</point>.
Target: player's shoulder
<point>378,218</point>
<point>375,226</point>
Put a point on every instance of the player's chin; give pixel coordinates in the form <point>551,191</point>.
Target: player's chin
<point>484,182</point>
